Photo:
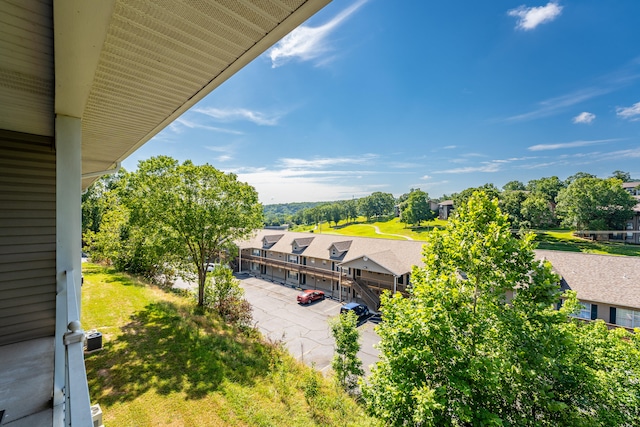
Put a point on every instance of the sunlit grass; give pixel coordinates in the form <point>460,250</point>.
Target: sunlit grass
<point>166,363</point>
<point>392,228</point>
<point>564,240</point>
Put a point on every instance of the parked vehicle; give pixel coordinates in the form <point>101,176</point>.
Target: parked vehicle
<point>310,295</point>
<point>361,310</point>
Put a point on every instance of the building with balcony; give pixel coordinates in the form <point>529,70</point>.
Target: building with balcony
<point>346,268</point>
<point>359,269</point>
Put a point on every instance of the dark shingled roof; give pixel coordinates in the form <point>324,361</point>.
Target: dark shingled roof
<point>342,246</point>
<point>303,242</point>
<point>272,239</point>
<point>606,279</point>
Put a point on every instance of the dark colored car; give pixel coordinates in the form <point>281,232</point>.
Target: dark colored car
<point>361,310</point>
<point>310,295</point>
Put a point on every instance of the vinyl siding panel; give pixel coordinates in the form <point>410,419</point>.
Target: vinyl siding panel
<point>27,237</point>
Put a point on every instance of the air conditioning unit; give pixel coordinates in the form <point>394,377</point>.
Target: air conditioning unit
<point>96,416</point>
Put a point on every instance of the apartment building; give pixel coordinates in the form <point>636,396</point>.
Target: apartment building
<point>347,268</point>
<point>360,269</point>
<point>607,286</point>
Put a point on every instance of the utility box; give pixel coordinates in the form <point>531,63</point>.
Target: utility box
<point>94,340</point>
<point>96,416</point>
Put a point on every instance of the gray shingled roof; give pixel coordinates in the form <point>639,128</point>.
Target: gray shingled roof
<point>342,246</point>
<point>270,239</point>
<point>406,253</point>
<point>606,279</point>
<point>304,242</point>
<point>632,184</point>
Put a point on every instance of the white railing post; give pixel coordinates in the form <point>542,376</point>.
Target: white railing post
<point>78,404</point>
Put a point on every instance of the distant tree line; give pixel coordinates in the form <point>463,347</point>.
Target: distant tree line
<point>582,201</point>
<point>413,209</point>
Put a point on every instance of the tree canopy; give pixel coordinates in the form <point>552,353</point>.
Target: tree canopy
<point>182,215</point>
<point>479,341</point>
<point>595,204</point>
<point>415,209</point>
<point>377,204</point>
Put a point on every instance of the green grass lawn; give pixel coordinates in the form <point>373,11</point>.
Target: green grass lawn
<point>388,228</point>
<point>163,363</point>
<point>558,240</point>
<point>564,240</point>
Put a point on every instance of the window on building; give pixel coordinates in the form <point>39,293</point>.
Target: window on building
<point>293,258</point>
<point>585,311</point>
<point>627,318</point>
<point>255,252</point>
<point>293,275</point>
<point>324,262</point>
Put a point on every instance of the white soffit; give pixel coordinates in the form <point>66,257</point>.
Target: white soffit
<point>79,33</point>
<point>160,57</point>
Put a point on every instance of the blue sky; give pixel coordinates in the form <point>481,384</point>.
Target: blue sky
<point>380,95</point>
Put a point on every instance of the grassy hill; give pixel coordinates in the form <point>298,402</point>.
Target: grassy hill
<point>560,240</point>
<point>163,363</point>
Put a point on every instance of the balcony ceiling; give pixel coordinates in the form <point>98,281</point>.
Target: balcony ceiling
<point>127,68</point>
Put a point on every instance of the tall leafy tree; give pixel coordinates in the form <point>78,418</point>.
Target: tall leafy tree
<point>513,186</point>
<point>346,364</point>
<point>377,204</point>
<point>350,209</point>
<point>549,187</point>
<point>479,341</point>
<point>461,198</point>
<point>595,204</point>
<point>576,176</point>
<point>416,208</point>
<point>536,210</point>
<point>197,210</point>
<point>511,204</point>
<point>622,176</point>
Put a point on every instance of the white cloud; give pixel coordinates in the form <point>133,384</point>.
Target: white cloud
<point>295,185</point>
<point>309,43</point>
<point>631,113</point>
<point>554,105</point>
<point>327,161</point>
<point>573,144</point>
<point>584,117</point>
<point>487,167</point>
<point>530,17</point>
<point>235,114</point>
<point>425,177</point>
<point>449,147</point>
<point>403,165</point>
<point>181,122</point>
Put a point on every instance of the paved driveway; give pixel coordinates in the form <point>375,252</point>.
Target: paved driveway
<point>304,328</point>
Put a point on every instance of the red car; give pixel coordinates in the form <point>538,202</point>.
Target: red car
<point>310,295</point>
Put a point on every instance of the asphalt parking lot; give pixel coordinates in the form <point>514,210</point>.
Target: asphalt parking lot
<point>304,328</point>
